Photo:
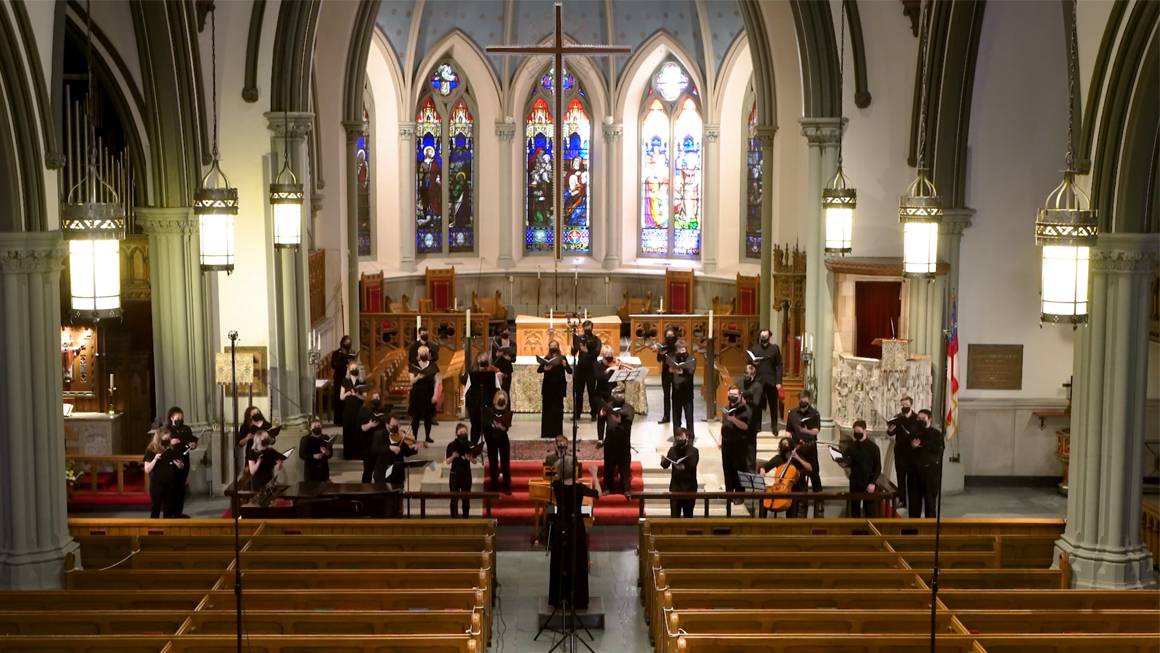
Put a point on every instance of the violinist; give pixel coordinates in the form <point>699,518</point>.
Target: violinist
<point>392,447</point>
<point>665,349</point>
<point>479,391</point>
<point>734,440</point>
<point>182,437</point>
<point>865,463</point>
<point>682,457</point>
<point>314,450</point>
<point>264,461</point>
<point>617,443</point>
<point>339,359</point>
<point>162,462</point>
<point>606,366</point>
<point>555,368</point>
<point>787,454</point>
<point>586,349</point>
<point>805,423</point>
<point>460,457</point>
<point>497,420</point>
<point>426,386</point>
<point>253,422</point>
<point>353,397</point>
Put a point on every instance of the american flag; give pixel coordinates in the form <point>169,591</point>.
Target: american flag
<point>952,407</point>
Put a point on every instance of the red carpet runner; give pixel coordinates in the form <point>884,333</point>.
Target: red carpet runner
<point>517,508</point>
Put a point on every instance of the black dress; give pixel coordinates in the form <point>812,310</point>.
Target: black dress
<point>568,537</point>
<point>314,469</point>
<point>554,388</point>
<point>163,482</point>
<point>353,442</point>
<point>267,461</point>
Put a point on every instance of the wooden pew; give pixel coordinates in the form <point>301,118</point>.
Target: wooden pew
<point>1077,643</point>
<point>310,560</point>
<point>1060,621</point>
<point>149,599</point>
<point>85,644</point>
<point>90,622</point>
<point>398,599</point>
<point>997,578</point>
<point>975,599</point>
<point>431,643</point>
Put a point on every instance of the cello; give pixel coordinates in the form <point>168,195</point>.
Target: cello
<point>783,477</point>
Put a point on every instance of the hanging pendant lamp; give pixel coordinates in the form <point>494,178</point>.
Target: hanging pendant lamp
<point>215,203</point>
<point>287,198</point>
<point>920,209</point>
<point>839,199</point>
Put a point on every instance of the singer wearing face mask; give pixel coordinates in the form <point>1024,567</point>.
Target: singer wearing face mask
<point>555,368</point>
<point>682,366</point>
<point>751,395</point>
<point>162,462</point>
<point>682,457</point>
<point>665,349</point>
<point>481,386</point>
<point>265,462</point>
<point>926,449</point>
<point>766,357</point>
<point>617,443</point>
<point>315,452</point>
<point>787,454</point>
<point>339,360</point>
<point>426,386</point>
<point>353,398</point>
<point>586,348</point>
<point>181,437</point>
<point>460,458</point>
<point>253,423</point>
<point>805,423</point>
<point>864,461</point>
<point>497,420</point>
<point>422,340</point>
<point>901,427</point>
<point>606,366</point>
<point>734,440</point>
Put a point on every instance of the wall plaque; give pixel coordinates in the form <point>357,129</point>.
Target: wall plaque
<point>995,367</point>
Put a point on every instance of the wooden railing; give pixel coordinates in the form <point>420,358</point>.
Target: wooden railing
<point>1151,529</point>
<point>881,498</point>
<point>88,469</point>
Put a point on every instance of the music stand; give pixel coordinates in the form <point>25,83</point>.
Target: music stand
<point>627,375</point>
<point>751,482</point>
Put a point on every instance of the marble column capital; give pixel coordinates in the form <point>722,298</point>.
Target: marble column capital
<point>295,125</point>
<point>1125,253</point>
<point>505,130</point>
<point>26,252</point>
<point>823,131</point>
<point>956,221</point>
<point>407,131</point>
<point>354,129</point>
<point>157,221</point>
<point>612,130</point>
<point>766,134</point>
<point>712,133</point>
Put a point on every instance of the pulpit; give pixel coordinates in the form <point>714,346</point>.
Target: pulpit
<point>679,285</point>
<point>440,291</point>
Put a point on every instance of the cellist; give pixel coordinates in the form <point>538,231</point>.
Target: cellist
<point>787,455</point>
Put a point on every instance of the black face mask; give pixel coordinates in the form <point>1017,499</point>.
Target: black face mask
<point>504,335</point>
<point>394,429</point>
<point>354,374</point>
<point>345,346</point>
<point>462,435</point>
<point>424,358</point>
<point>765,340</point>
<point>803,405</point>
<point>618,401</point>
<point>733,400</point>
<point>553,351</point>
<point>906,410</point>
<point>859,435</point>
<point>681,444</point>
<point>682,357</point>
<point>670,339</point>
<point>783,451</point>
<point>317,430</point>
<point>608,359</point>
<point>923,424</point>
<point>178,422</point>
<point>587,331</point>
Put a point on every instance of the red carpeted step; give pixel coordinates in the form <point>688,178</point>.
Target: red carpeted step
<point>518,507</point>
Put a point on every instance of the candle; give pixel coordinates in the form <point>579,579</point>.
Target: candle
<point>551,320</point>
<point>455,306</point>
<point>469,323</point>
<point>575,275</point>
<point>418,323</point>
<point>585,313</point>
<point>710,324</point>
<point>110,379</point>
<point>537,273</point>
<point>662,309</point>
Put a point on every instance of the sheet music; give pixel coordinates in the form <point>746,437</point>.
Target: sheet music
<point>677,462</point>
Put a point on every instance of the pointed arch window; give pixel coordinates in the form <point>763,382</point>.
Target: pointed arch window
<point>753,180</point>
<point>362,169</point>
<point>671,131</point>
<point>445,132</point>
<point>539,218</point>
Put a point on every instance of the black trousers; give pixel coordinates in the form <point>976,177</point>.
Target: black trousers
<point>580,384</point>
<point>181,477</point>
<point>922,490</point>
<point>475,414</point>
<point>369,467</point>
<point>499,451</point>
<point>552,417</point>
<point>862,508</point>
<point>460,483</point>
<point>683,405</point>
<point>161,498</point>
<point>681,507</point>
<point>335,402</point>
<point>733,454</point>
<point>901,467</point>
<point>667,392</point>
<point>426,421</point>
<point>770,400</point>
<point>813,480</point>
<point>617,470</point>
<point>751,452</point>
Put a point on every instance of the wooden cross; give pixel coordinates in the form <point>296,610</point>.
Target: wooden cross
<point>558,50</point>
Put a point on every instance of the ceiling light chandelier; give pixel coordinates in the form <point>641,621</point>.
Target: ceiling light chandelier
<point>215,203</point>
<point>1066,227</point>
<point>920,209</point>
<point>287,197</point>
<point>838,199</point>
<point>93,223</point>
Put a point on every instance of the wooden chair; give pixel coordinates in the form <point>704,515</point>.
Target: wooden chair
<point>679,286</point>
<point>440,291</point>
<point>634,306</point>
<point>371,293</point>
<point>746,301</point>
<point>493,306</point>
<point>401,306</point>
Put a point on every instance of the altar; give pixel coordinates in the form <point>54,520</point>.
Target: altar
<point>527,398</point>
<point>533,333</point>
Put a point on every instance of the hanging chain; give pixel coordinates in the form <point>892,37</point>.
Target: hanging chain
<point>841,80</point>
<point>1072,55</point>
<point>90,99</point>
<point>922,85</point>
<point>213,70</point>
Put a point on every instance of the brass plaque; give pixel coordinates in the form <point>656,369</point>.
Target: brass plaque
<point>995,367</point>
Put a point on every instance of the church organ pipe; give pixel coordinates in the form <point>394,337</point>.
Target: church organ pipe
<point>115,168</point>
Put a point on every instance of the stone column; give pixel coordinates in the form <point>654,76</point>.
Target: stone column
<point>505,130</point>
<point>612,195</point>
<point>823,136</point>
<point>407,196</point>
<point>709,209</point>
<point>1102,540</point>
<point>294,394</point>
<point>34,536</point>
<point>766,134</point>
<point>955,222</point>
<point>183,375</point>
<point>353,131</point>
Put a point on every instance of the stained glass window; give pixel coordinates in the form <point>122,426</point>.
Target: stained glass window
<point>445,127</point>
<point>753,186</point>
<point>539,127</point>
<point>670,166</point>
<point>362,167</point>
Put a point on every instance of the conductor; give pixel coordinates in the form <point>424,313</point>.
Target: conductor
<point>569,537</point>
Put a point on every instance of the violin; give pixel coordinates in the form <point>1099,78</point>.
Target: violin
<point>406,438</point>
<point>783,478</point>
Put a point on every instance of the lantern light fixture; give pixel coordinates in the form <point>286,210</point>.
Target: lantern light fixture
<point>215,203</point>
<point>839,199</point>
<point>287,198</point>
<point>920,208</point>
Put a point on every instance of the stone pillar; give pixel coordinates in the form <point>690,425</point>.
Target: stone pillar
<point>823,136</point>
<point>766,134</point>
<point>505,130</point>
<point>294,393</point>
<point>709,209</point>
<point>183,372</point>
<point>612,195</point>
<point>1102,540</point>
<point>955,222</point>
<point>353,131</point>
<point>34,536</point>
<point>407,196</point>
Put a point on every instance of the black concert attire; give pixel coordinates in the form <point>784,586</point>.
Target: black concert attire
<point>366,435</point>
<point>586,349</point>
<point>922,480</point>
<point>506,368</point>
<point>185,434</point>
<point>554,387</point>
<point>751,391</point>
<point>668,347</point>
<point>460,479</point>
<point>569,537</point>
<point>799,419</point>
<point>864,461</point>
<point>251,430</point>
<point>479,392</point>
<point>797,508</point>
<point>683,461</point>
<point>267,463</point>
<point>618,449</point>
<point>767,359</point>
<point>315,470</point>
<point>391,467</point>
<point>683,392</point>
<point>354,443</point>
<point>339,362</point>
<point>421,405</point>
<point>496,423</point>
<point>163,487</point>
<point>905,426</point>
<point>413,351</point>
<point>603,371</point>
<point>734,445</point>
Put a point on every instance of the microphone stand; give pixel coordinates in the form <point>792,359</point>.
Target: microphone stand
<point>938,517</point>
<point>236,505</point>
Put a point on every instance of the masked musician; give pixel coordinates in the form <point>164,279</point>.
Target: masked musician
<point>787,453</point>
<point>481,380</point>
<point>586,348</point>
<point>181,436</point>
<point>426,385</point>
<point>264,462</point>
<point>682,457</point>
<point>460,457</point>
<point>682,367</point>
<point>734,440</point>
<point>617,443</point>
<point>667,348</point>
<point>315,451</point>
<point>162,462</point>
<point>555,368</point>
<point>497,420</point>
<point>339,359</point>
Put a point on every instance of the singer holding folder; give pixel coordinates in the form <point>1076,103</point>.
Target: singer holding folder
<point>555,369</point>
<point>804,424</point>
<point>682,457</point>
<point>314,450</point>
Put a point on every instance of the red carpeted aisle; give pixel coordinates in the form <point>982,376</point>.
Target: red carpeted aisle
<point>517,508</point>
<point>83,496</point>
